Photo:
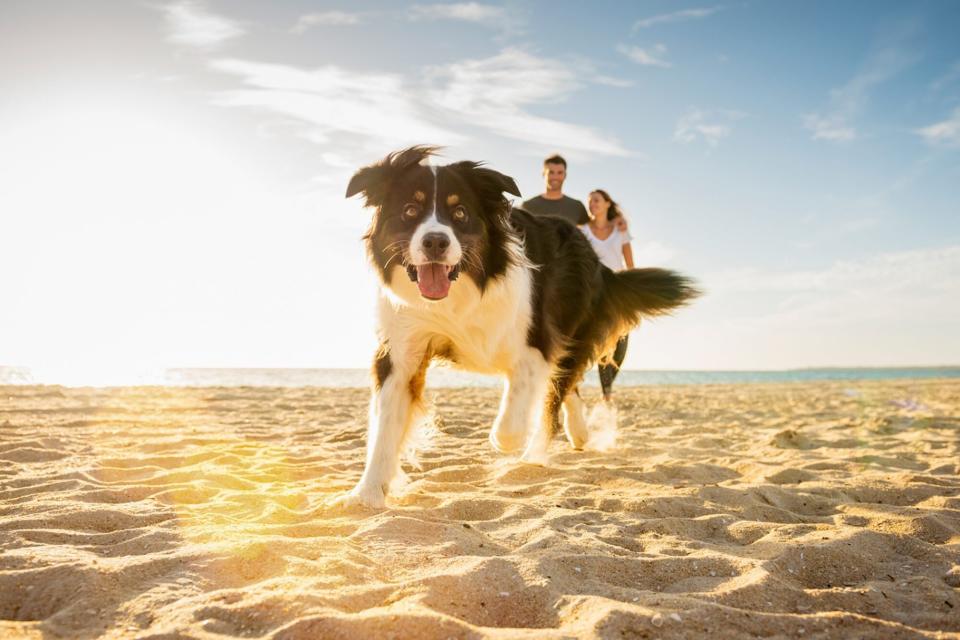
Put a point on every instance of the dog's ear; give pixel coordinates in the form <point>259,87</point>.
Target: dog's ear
<point>504,184</point>
<point>487,182</point>
<point>373,181</point>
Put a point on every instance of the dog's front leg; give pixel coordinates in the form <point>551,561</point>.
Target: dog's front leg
<point>521,407</point>
<point>397,393</point>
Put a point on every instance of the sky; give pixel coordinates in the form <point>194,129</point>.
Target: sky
<point>172,173</point>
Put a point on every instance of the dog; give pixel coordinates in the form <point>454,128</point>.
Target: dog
<point>467,279</point>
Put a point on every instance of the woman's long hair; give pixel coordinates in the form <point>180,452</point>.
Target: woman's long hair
<point>614,209</point>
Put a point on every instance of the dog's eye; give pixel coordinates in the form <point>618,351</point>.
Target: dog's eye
<point>459,214</point>
<point>411,211</point>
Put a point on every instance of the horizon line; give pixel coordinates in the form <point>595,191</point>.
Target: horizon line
<point>451,368</point>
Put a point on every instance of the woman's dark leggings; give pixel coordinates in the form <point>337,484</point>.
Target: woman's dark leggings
<point>608,371</point>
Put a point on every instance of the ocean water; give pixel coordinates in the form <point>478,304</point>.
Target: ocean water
<point>438,377</point>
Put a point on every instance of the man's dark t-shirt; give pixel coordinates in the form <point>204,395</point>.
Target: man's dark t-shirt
<point>566,207</point>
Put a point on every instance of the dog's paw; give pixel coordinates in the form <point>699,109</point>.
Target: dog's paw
<point>536,455</point>
<point>361,496</point>
<point>506,441</point>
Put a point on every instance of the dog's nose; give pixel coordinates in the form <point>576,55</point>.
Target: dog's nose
<point>435,245</point>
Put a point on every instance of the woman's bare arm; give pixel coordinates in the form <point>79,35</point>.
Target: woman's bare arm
<point>628,255</point>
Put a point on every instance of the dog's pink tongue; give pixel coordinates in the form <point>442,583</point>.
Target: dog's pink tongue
<point>433,280</point>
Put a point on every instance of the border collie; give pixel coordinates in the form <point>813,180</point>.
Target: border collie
<point>467,279</point>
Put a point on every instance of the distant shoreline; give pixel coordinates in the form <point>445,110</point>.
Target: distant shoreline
<point>448,378</point>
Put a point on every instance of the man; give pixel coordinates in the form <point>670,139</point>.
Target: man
<point>552,202</point>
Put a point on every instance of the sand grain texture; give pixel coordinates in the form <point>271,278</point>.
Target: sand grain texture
<point>827,510</point>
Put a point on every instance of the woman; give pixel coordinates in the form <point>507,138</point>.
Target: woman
<point>613,248</point>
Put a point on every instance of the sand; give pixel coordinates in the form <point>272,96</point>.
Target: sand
<point>827,510</point>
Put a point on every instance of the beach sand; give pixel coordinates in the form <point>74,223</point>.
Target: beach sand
<point>826,510</point>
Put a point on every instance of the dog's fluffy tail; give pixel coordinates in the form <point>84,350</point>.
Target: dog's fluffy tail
<point>638,293</point>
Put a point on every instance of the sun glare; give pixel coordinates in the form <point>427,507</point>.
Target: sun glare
<point>108,214</point>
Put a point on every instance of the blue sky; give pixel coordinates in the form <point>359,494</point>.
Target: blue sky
<point>174,170</point>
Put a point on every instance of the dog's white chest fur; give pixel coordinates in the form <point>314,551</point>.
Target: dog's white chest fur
<point>484,333</point>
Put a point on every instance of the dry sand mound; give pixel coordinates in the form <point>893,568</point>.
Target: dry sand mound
<point>820,510</point>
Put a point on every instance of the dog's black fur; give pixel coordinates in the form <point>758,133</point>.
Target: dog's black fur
<point>388,185</point>
<point>579,306</point>
<point>579,303</point>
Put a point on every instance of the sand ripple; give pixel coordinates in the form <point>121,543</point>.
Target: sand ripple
<point>738,511</point>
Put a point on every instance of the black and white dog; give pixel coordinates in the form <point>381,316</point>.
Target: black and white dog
<point>466,279</point>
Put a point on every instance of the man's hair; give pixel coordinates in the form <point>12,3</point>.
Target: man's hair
<point>555,159</point>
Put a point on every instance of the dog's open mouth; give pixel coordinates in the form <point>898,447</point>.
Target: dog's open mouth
<point>433,278</point>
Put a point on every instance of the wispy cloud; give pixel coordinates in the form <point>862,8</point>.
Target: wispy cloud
<point>508,21</point>
<point>652,252</point>
<point>494,93</point>
<point>830,127</point>
<point>190,23</point>
<point>676,16</point>
<point>610,81</point>
<point>707,126</point>
<point>326,19</point>
<point>464,11</point>
<point>896,307</point>
<point>948,78</point>
<point>648,57</point>
<point>837,123</point>
<point>931,270</point>
<point>331,100</point>
<point>904,284</point>
<point>945,133</point>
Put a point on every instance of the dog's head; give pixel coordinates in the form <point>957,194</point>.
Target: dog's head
<point>435,224</point>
